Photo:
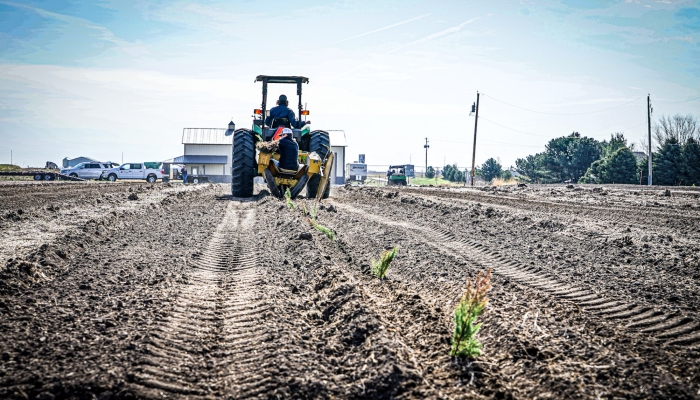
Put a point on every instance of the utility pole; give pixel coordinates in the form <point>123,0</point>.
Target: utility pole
<point>10,157</point>
<point>476,121</point>
<point>122,157</point>
<point>426,146</point>
<point>649,110</point>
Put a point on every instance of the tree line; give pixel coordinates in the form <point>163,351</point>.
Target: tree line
<point>487,171</point>
<point>576,158</point>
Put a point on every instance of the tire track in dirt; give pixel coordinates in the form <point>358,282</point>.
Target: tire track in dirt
<point>211,343</point>
<point>567,206</point>
<point>605,218</point>
<point>673,328</point>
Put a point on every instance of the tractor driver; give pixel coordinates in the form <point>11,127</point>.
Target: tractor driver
<point>289,151</point>
<point>283,111</point>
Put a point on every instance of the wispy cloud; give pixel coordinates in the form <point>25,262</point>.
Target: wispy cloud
<point>384,28</point>
<point>436,35</point>
<point>102,33</point>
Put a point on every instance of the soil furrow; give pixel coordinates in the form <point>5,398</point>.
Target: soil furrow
<point>202,337</point>
<point>191,294</point>
<point>466,246</point>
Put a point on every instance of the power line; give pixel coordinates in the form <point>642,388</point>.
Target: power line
<point>542,112</point>
<point>515,130</point>
<point>487,141</point>
<point>677,102</point>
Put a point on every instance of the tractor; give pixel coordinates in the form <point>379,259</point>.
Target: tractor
<point>254,152</point>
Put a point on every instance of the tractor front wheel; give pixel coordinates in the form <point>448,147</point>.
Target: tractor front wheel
<point>321,144</point>
<point>243,163</point>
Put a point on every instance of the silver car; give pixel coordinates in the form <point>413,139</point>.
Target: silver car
<point>87,170</point>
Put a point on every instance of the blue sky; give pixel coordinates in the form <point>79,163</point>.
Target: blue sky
<point>105,77</point>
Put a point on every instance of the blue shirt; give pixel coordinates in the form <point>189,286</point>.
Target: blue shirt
<point>289,153</point>
<point>284,112</point>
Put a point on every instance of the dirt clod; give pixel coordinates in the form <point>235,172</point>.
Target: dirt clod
<point>305,236</point>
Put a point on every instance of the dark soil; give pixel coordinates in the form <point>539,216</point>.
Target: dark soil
<point>157,291</point>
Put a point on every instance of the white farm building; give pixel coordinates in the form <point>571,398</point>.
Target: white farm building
<point>207,152</point>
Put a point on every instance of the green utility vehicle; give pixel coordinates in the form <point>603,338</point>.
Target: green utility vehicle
<point>254,151</point>
<point>396,175</point>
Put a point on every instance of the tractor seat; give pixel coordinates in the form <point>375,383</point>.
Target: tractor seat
<point>277,122</point>
<point>290,173</point>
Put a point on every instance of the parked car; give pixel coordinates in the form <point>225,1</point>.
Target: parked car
<point>134,171</point>
<point>87,170</point>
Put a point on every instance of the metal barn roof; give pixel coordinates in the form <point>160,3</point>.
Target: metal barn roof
<point>195,159</point>
<point>337,138</point>
<point>205,136</point>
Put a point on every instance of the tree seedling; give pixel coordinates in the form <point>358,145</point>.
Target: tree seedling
<point>288,199</point>
<point>312,219</point>
<point>327,231</point>
<point>380,266</point>
<point>471,306</point>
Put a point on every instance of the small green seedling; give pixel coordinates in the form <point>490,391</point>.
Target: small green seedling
<point>288,199</point>
<point>313,213</point>
<point>380,266</point>
<point>470,307</point>
<point>327,231</point>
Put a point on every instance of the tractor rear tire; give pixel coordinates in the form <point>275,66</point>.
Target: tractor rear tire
<point>320,143</point>
<point>243,163</point>
<point>274,190</point>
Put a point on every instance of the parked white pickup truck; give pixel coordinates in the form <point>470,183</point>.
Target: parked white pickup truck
<point>133,171</point>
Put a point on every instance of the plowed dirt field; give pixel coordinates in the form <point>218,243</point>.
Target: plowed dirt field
<point>113,291</point>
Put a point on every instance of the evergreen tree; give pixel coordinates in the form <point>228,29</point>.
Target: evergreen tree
<point>447,172</point>
<point>620,167</point>
<point>667,164</point>
<point>457,176</point>
<point>582,153</point>
<point>506,175</point>
<point>594,173</point>
<point>617,141</point>
<point>491,169</point>
<point>569,157</point>
<point>430,173</point>
<point>691,163</point>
